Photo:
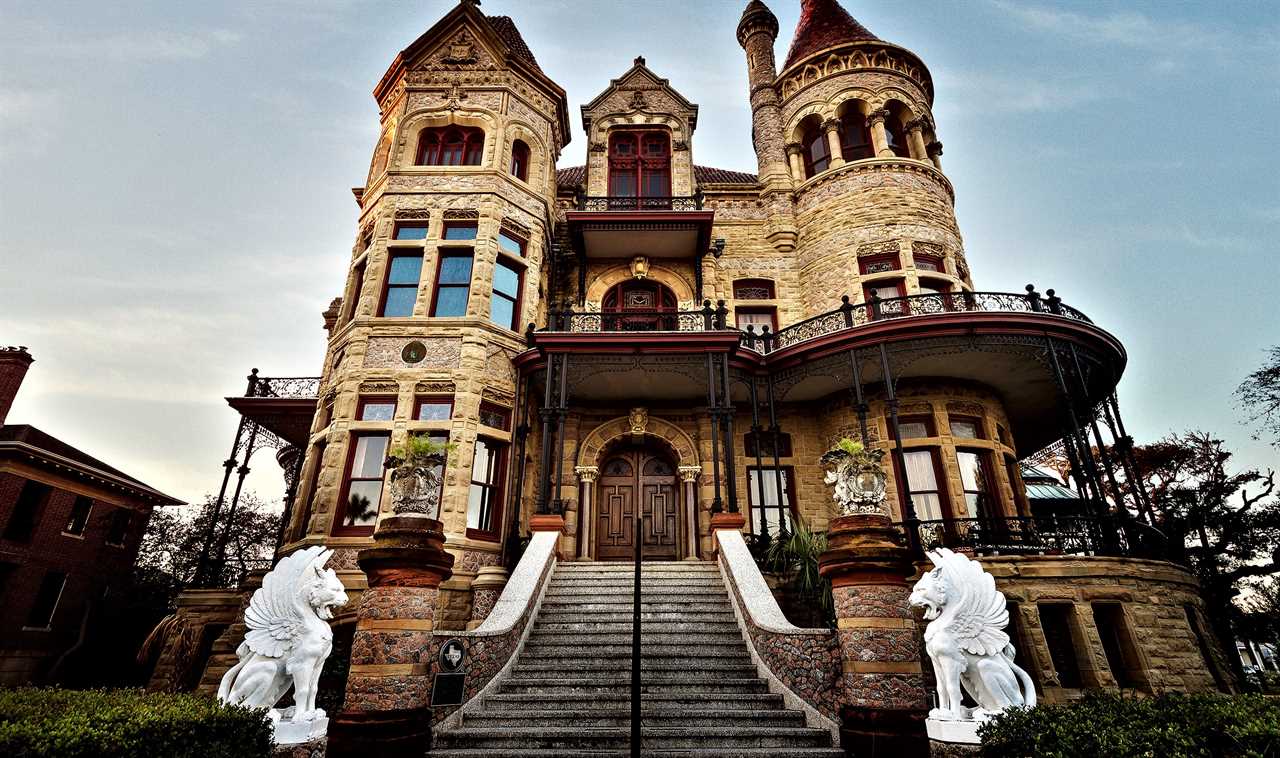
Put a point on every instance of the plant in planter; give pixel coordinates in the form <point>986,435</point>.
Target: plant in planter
<point>794,556</point>
<point>858,475</point>
<point>417,470</point>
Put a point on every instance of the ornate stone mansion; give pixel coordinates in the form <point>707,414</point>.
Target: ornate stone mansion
<point>643,338</point>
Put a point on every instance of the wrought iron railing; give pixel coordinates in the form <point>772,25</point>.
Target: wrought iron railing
<point>1030,535</point>
<point>566,319</point>
<point>282,386</point>
<point>876,309</point>
<point>631,203</point>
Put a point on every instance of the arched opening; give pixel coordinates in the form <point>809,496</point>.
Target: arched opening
<point>640,167</point>
<point>855,135</point>
<point>895,132</point>
<point>639,305</point>
<point>450,146</point>
<point>520,160</point>
<point>637,479</point>
<point>814,147</point>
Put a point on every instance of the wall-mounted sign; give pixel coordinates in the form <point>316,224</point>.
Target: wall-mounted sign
<point>452,653</point>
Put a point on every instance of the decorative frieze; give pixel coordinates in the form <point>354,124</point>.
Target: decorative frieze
<point>386,352</point>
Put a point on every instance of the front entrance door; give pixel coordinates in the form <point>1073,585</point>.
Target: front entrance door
<point>631,478</point>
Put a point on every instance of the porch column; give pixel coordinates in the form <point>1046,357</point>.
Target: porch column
<point>832,128</point>
<point>879,141</point>
<point>915,139</point>
<point>689,475</point>
<point>793,159</point>
<point>586,480</point>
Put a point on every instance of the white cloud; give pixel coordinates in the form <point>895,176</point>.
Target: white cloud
<point>25,113</point>
<point>133,46</point>
<point>978,92</point>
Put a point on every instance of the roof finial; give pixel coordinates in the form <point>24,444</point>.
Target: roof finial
<point>639,61</point>
<point>469,2</point>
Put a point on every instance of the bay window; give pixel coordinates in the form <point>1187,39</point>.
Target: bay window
<point>484,500</point>
<point>403,274</point>
<point>453,283</point>
<point>362,487</point>
<point>975,477</point>
<point>450,146</point>
<point>505,300</point>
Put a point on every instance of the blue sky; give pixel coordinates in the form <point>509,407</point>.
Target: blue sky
<point>175,203</point>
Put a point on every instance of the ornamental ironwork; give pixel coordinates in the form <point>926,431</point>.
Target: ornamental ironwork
<point>632,203</point>
<point>1108,535</point>
<point>284,386</point>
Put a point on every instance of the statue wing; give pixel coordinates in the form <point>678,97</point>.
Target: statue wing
<point>274,617</point>
<point>981,612</point>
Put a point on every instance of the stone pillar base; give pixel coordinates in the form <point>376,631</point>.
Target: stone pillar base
<point>314,748</point>
<point>879,732</point>
<point>402,733</point>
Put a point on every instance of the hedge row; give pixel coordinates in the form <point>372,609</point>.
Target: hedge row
<point>49,723</point>
<point>1168,726</point>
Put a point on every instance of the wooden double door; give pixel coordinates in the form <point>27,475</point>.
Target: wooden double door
<point>637,480</point>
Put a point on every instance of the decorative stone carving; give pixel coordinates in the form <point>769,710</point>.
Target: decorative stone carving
<point>637,99</point>
<point>598,147</point>
<point>587,474</point>
<point>638,420</point>
<point>689,474</point>
<point>967,643</point>
<point>287,643</point>
<point>640,267</point>
<point>413,214</point>
<point>460,52</point>
<point>440,352</point>
<point>858,478</point>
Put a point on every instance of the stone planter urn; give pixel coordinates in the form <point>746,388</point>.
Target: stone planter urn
<point>415,485</point>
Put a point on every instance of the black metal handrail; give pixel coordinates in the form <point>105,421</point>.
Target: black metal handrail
<point>1034,535</point>
<point>282,386</point>
<point>566,319</point>
<point>635,637</point>
<point>632,203</point>
<point>876,309</point>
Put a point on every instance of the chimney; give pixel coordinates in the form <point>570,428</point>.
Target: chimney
<point>13,367</point>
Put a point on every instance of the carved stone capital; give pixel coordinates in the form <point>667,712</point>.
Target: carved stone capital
<point>875,117</point>
<point>598,147</point>
<point>587,474</point>
<point>794,148</point>
<point>690,473</point>
<point>831,125</point>
<point>933,148</point>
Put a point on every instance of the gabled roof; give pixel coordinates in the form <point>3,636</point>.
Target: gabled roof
<point>568,178</point>
<point>640,71</point>
<point>24,438</point>
<point>824,24</point>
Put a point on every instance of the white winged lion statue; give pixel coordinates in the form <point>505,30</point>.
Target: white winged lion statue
<point>966,640</point>
<point>289,637</point>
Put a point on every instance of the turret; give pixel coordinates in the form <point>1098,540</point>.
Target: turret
<point>757,32</point>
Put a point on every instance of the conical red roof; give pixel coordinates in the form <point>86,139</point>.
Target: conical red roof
<point>823,24</point>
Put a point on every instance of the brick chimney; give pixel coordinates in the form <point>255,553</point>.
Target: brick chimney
<point>13,367</point>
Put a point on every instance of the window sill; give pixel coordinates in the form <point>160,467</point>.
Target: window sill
<point>73,535</point>
<point>38,628</point>
<point>479,536</point>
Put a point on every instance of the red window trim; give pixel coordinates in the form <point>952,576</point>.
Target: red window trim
<point>421,400</point>
<point>923,418</point>
<point>769,310</point>
<point>975,420</point>
<point>523,168</point>
<point>900,284</point>
<point>395,230</point>
<point>995,507</point>
<point>386,278</point>
<point>789,485</point>
<point>944,497</point>
<point>338,529</point>
<point>472,145</point>
<point>811,135</point>
<point>461,251</point>
<point>866,261</point>
<point>933,259</point>
<point>519,267</point>
<point>520,238</point>
<point>766,284</point>
<point>642,163</point>
<point>495,408</point>
<point>376,400</point>
<point>496,509</point>
<point>459,224</point>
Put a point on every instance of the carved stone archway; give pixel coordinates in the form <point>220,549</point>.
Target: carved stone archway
<point>636,426</point>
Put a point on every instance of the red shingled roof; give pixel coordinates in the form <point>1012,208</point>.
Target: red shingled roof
<point>568,178</point>
<point>823,24</point>
<point>505,28</point>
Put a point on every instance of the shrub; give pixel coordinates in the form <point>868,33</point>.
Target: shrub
<point>1168,726</point>
<point>49,723</point>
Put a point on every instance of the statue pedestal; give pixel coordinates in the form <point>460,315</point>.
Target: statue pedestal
<point>953,739</point>
<point>882,687</point>
<point>386,712</point>
<point>296,732</point>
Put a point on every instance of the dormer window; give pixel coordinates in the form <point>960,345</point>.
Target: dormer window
<point>640,165</point>
<point>450,146</point>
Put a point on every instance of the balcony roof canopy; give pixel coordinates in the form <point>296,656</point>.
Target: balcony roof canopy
<point>628,233</point>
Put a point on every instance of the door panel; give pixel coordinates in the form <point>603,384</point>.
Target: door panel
<point>650,478</point>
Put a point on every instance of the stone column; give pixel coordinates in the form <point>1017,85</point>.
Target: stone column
<point>485,589</point>
<point>915,140</point>
<point>587,479</point>
<point>689,475</point>
<point>832,129</point>
<point>883,697</point>
<point>794,149</point>
<point>934,151</point>
<point>387,710</point>
<point>879,140</point>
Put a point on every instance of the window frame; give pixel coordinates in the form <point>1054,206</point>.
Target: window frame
<point>520,169</point>
<point>84,524</point>
<point>387,285</point>
<point>367,400</point>
<point>756,310</point>
<point>785,449</point>
<point>991,507</point>
<point>471,147</point>
<point>404,224</point>
<point>867,261</point>
<point>788,489</point>
<point>515,301</point>
<point>127,520</point>
<point>899,284</point>
<point>939,480</point>
<point>421,400</point>
<point>39,505</point>
<point>932,260</point>
<point>443,254</point>
<point>810,136</point>
<point>357,287</point>
<point>930,428</point>
<point>521,241</point>
<point>471,224</point>
<point>854,121</point>
<point>494,408</point>
<point>338,528</point>
<point>493,490</point>
<point>980,431</point>
<point>768,285</point>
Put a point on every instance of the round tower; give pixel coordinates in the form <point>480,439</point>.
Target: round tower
<point>874,213</point>
<point>757,31</point>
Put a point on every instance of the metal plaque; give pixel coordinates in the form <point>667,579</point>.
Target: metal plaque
<point>448,689</point>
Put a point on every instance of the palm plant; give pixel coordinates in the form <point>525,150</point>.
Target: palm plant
<point>795,556</point>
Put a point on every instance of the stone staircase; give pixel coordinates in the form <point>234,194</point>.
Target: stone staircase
<point>569,691</point>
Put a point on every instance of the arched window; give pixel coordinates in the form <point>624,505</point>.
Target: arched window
<point>640,165</point>
<point>753,289</point>
<point>817,154</point>
<point>855,136</point>
<point>894,131</point>
<point>450,146</point>
<point>639,305</point>
<point>520,160</point>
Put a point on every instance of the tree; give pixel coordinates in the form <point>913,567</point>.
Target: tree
<point>1225,526</point>
<point>1259,397</point>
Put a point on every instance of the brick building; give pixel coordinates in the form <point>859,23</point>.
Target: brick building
<point>71,530</point>
<point>641,334</point>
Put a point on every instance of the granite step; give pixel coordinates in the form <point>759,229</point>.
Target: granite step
<point>725,701</point>
<point>740,752</point>
<point>557,685</point>
<point>572,737</point>
<point>602,718</point>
